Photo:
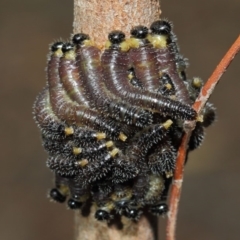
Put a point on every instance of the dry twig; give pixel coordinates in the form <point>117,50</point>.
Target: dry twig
<point>203,97</point>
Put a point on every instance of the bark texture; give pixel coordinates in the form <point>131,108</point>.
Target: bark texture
<point>97,18</point>
<point>88,228</point>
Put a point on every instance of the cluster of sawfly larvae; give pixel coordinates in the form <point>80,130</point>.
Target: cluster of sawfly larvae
<point>112,120</point>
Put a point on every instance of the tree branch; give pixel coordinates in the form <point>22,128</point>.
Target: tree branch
<point>97,18</point>
<point>203,97</point>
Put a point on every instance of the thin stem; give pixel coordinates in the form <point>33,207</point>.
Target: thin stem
<point>216,75</point>
<point>203,97</point>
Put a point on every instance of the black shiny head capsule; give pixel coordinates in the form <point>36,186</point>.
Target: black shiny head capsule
<point>139,32</point>
<point>121,206</point>
<point>161,27</point>
<point>73,204</point>
<point>102,215</point>
<point>159,209</point>
<point>56,46</point>
<point>79,38</point>
<point>122,203</point>
<point>116,37</point>
<point>57,196</point>
<point>67,47</point>
<point>132,213</point>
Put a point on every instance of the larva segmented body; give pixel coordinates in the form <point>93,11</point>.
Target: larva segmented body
<point>162,160</point>
<point>166,87</point>
<point>133,79</point>
<point>128,166</point>
<point>47,121</point>
<point>161,39</point>
<point>140,186</point>
<point>67,149</point>
<point>77,190</point>
<point>209,115</point>
<point>105,118</point>
<point>70,77</point>
<point>90,66</point>
<point>61,190</point>
<point>116,64</point>
<point>143,58</point>
<point>64,108</point>
<point>196,137</point>
<point>156,187</point>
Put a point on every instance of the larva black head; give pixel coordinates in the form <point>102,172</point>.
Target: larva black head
<point>133,213</point>
<point>67,47</point>
<point>73,204</point>
<point>57,196</point>
<point>121,205</point>
<point>116,37</point>
<point>159,209</point>
<point>140,32</point>
<point>161,27</point>
<point>80,38</point>
<point>56,46</point>
<point>102,215</point>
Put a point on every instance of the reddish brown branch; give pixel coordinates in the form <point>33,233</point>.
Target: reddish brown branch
<point>203,97</point>
<point>216,75</point>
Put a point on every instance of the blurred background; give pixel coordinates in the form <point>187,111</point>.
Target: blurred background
<point>209,207</point>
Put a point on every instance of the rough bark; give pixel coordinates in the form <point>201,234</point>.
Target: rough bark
<point>97,18</point>
<point>88,228</point>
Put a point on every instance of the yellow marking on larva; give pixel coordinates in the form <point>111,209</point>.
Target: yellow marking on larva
<point>124,46</point>
<point>88,42</point>
<point>83,198</point>
<point>168,86</point>
<point>114,152</point>
<point>100,136</point>
<point>130,76</point>
<point>128,193</point>
<point>200,118</point>
<point>58,53</point>
<point>197,82</point>
<point>150,37</point>
<point>70,55</point>
<point>173,97</point>
<point>64,189</point>
<point>158,41</point>
<point>133,42</point>
<point>167,124</point>
<point>114,197</point>
<point>109,206</point>
<point>169,174</point>
<point>109,144</point>
<point>122,137</point>
<point>76,150</point>
<point>83,162</point>
<point>69,131</point>
<point>108,44</point>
